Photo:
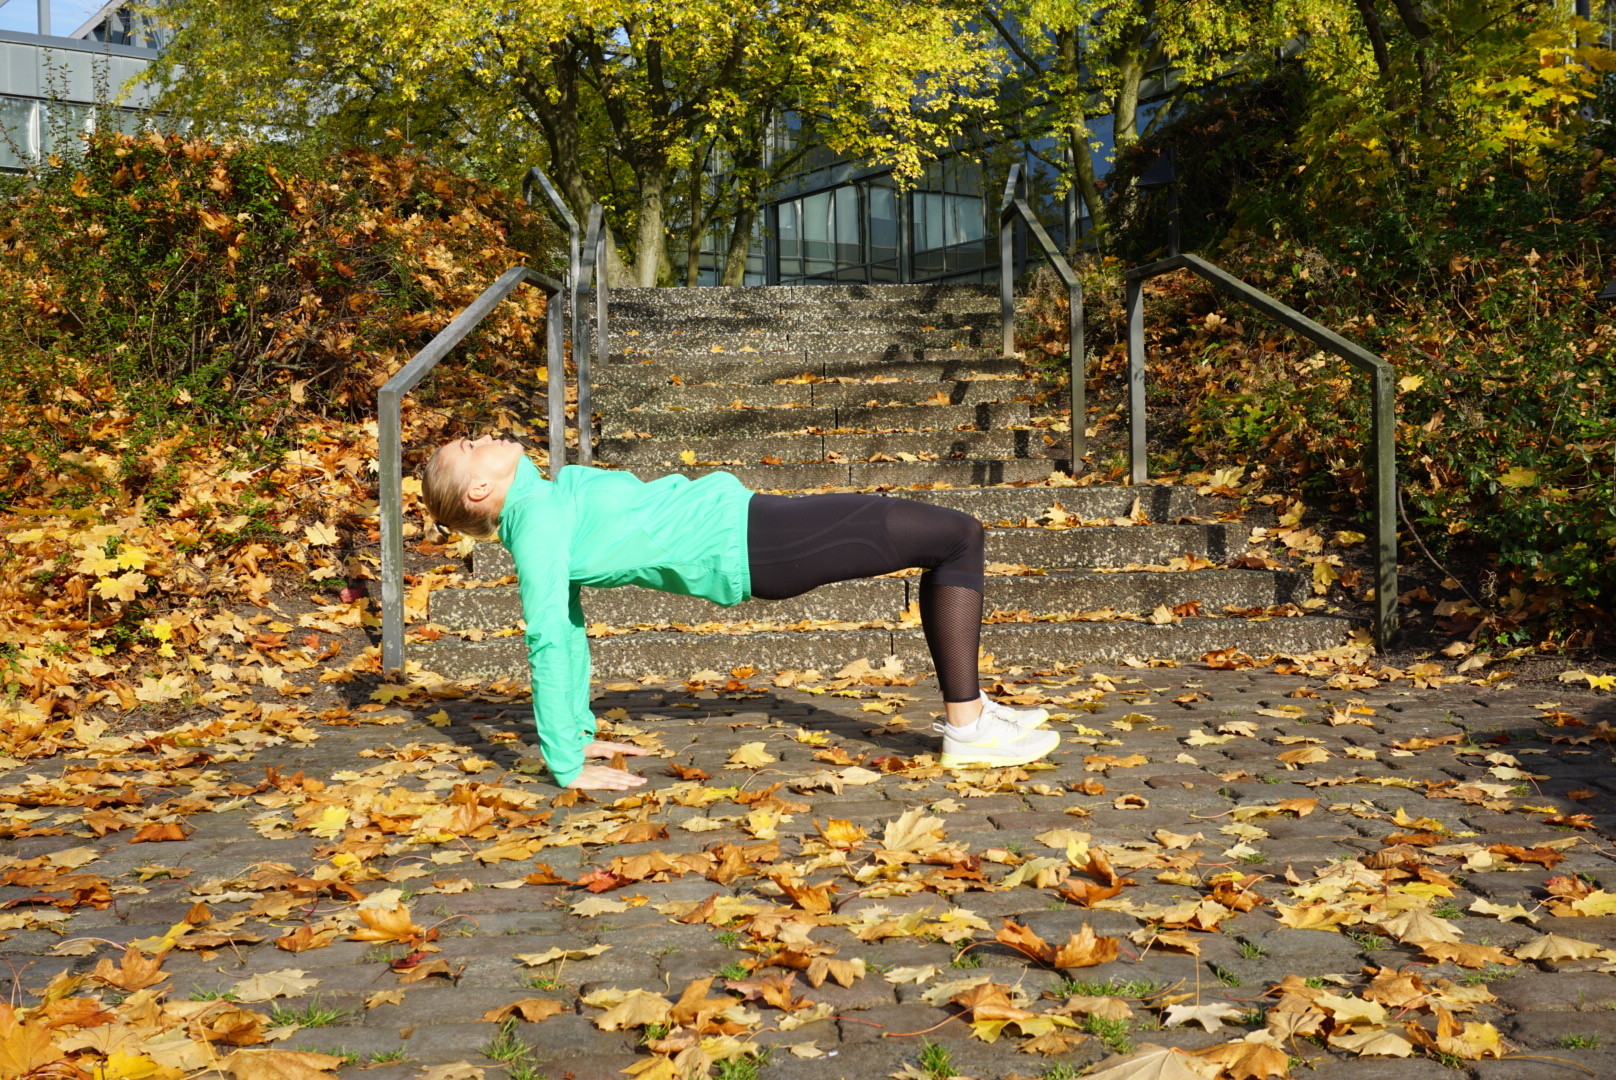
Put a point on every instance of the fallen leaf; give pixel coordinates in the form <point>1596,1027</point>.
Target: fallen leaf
<point>531,1009</point>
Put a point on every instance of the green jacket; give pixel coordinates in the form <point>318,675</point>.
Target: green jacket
<point>605,528</point>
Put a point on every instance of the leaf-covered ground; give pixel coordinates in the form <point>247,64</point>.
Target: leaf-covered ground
<point>1306,867</point>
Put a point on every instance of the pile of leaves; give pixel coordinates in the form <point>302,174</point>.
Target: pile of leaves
<point>194,334</point>
<point>154,290</point>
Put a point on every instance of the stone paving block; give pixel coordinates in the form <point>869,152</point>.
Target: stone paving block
<point>1055,926</point>
<point>913,1016</point>
<point>1368,1068</point>
<point>1496,884</point>
<point>568,1034</point>
<point>1308,950</point>
<point>433,1044</point>
<point>1535,992</point>
<point>619,967</point>
<point>1599,1063</point>
<point>865,993</point>
<point>590,1067</point>
<point>364,1041</point>
<point>1543,1030</point>
<point>1600,931</point>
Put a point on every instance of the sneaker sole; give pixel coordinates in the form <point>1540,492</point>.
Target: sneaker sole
<point>972,760</point>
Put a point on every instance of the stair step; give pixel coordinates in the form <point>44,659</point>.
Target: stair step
<point>1049,549</point>
<point>821,340</point>
<point>753,372</point>
<point>755,422</point>
<point>672,322</point>
<point>818,360</point>
<point>812,448</point>
<point>616,399</point>
<point>1025,644</point>
<point>717,296</point>
<point>886,598</point>
<point>872,473</point>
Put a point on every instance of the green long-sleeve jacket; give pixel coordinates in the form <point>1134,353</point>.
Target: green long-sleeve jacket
<point>604,528</point>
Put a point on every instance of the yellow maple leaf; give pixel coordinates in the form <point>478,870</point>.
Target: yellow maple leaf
<point>687,456</point>
<point>1518,477</point>
<point>133,558</point>
<point>388,692</point>
<point>124,587</point>
<point>123,1065</point>
<point>393,924</point>
<point>751,756</point>
<point>156,691</point>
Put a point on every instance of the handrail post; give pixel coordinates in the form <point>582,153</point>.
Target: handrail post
<point>536,178</point>
<point>389,435</point>
<point>1384,424</point>
<point>1015,206</point>
<point>390,498</point>
<point>602,341</point>
<point>584,343</point>
<point>556,396</point>
<point>1077,361</point>
<point>1007,273</point>
<point>1383,403</point>
<point>1138,466</point>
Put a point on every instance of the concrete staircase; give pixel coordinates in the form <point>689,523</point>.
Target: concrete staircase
<point>897,389</point>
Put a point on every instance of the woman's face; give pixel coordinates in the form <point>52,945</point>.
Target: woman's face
<point>487,458</point>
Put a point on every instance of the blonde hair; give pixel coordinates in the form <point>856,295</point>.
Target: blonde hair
<point>443,490</point>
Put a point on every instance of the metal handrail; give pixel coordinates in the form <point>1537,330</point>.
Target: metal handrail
<point>585,347</point>
<point>1013,207</point>
<point>536,178</point>
<point>584,260</point>
<point>1384,409</point>
<point>390,434</point>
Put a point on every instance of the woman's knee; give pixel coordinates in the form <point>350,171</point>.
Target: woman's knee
<point>968,534</point>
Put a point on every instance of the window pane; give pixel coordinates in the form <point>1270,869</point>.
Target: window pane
<point>849,228</point>
<point>16,133</point>
<point>883,224</point>
<point>61,126</point>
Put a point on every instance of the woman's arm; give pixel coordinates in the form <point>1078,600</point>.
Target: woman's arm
<point>538,532</point>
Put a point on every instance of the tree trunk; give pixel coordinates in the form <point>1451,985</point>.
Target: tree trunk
<point>1131,73</point>
<point>650,240</point>
<point>1420,30</point>
<point>698,225</point>
<point>1077,130</point>
<point>1377,36</point>
<point>740,238</point>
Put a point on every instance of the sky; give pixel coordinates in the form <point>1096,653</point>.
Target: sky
<point>66,15</point>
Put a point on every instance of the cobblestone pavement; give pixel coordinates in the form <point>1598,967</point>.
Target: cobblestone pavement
<point>1450,784</point>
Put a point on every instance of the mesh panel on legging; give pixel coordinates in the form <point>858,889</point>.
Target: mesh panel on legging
<point>951,617</point>
<point>797,544</point>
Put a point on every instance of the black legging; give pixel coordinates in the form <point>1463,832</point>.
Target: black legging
<point>797,544</point>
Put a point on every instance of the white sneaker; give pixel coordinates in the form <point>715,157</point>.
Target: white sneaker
<point>1025,719</point>
<point>996,742</point>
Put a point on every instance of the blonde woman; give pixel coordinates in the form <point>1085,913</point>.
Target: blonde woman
<point>715,539</point>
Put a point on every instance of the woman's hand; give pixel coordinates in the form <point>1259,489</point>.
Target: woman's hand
<point>605,778</point>
<point>601,749</point>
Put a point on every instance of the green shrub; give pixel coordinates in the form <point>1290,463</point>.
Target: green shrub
<point>156,293</point>
<point>1482,299</point>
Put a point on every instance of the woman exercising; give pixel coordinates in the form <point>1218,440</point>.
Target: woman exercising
<point>715,539</point>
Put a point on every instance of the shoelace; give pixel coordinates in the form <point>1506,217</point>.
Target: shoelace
<point>994,709</point>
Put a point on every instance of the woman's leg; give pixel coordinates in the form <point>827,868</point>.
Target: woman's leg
<point>797,544</point>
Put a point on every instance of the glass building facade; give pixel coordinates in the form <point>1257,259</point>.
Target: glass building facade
<point>52,88</point>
